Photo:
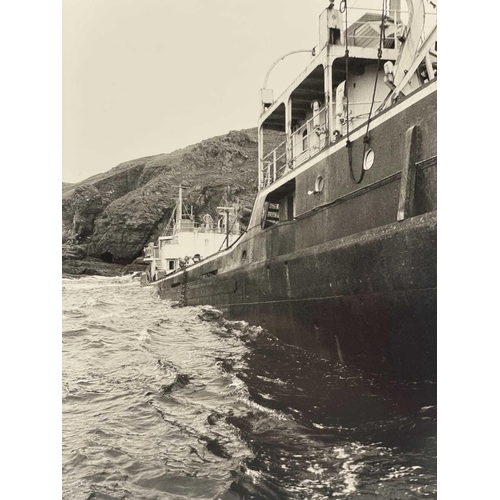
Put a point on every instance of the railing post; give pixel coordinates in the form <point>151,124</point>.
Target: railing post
<point>308,135</point>
<point>395,13</point>
<point>288,132</point>
<point>260,154</point>
<point>274,165</point>
<point>328,87</point>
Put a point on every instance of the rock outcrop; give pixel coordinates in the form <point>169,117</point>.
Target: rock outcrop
<point>112,216</point>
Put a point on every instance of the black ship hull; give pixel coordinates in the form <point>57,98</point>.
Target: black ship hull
<point>352,275</point>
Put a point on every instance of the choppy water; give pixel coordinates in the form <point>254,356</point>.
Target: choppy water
<point>166,403</point>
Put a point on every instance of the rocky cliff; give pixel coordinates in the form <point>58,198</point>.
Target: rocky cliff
<point>109,218</point>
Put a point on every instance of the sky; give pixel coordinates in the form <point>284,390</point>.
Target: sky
<point>143,77</point>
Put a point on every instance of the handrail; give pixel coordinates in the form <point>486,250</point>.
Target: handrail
<point>274,163</point>
<point>277,147</point>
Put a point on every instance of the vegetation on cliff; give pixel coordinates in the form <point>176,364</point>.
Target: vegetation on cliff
<point>112,216</point>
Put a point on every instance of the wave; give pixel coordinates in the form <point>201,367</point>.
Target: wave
<point>182,403</point>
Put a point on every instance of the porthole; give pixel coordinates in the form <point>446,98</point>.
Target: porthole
<point>369,159</point>
<point>319,184</point>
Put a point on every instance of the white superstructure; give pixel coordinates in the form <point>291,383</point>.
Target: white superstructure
<point>189,241</point>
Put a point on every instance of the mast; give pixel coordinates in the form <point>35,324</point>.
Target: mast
<point>179,210</point>
<point>226,219</point>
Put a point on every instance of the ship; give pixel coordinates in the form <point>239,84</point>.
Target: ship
<point>186,241</point>
<point>339,256</point>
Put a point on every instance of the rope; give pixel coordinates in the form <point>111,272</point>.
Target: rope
<point>366,138</point>
<point>343,9</point>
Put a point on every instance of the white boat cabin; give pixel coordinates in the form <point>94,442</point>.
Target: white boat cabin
<point>188,241</point>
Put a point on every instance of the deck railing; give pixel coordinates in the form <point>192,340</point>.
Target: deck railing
<point>304,142</point>
<point>309,139</point>
<point>190,226</point>
<point>364,32</point>
<point>274,164</point>
<point>324,127</point>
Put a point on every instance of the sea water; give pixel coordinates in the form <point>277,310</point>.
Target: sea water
<point>162,402</point>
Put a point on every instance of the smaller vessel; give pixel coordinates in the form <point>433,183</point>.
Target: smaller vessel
<point>186,241</point>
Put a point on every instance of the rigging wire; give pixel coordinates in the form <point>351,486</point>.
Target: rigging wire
<point>366,138</point>
<point>230,229</point>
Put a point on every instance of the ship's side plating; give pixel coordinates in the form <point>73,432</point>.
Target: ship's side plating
<point>346,268</point>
